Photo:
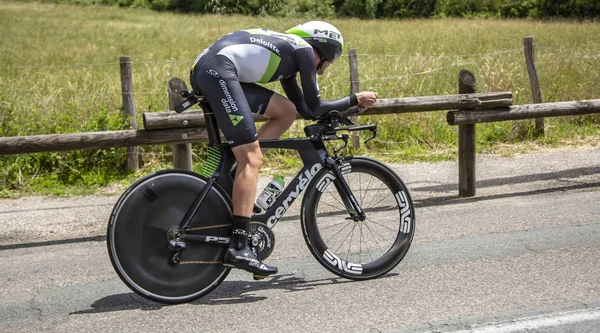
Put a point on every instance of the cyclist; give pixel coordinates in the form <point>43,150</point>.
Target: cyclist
<point>226,73</point>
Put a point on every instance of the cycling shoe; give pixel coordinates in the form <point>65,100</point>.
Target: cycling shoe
<point>246,259</point>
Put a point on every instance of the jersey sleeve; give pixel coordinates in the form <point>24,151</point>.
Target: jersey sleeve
<point>308,101</point>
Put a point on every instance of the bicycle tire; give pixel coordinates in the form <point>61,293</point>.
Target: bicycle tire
<point>137,237</point>
<point>323,212</point>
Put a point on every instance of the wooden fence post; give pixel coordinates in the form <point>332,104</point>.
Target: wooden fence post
<point>536,90</point>
<point>466,141</point>
<point>354,88</point>
<point>129,108</point>
<point>182,153</point>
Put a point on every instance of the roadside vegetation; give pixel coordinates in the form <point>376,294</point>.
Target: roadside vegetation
<point>59,73</point>
<point>369,9</point>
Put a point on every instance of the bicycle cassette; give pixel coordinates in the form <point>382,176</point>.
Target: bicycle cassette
<point>262,240</point>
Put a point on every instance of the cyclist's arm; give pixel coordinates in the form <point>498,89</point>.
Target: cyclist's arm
<point>294,94</point>
<point>308,100</point>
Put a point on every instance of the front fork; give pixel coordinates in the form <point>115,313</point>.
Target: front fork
<point>352,206</point>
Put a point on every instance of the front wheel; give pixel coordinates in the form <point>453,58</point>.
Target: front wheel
<point>359,250</point>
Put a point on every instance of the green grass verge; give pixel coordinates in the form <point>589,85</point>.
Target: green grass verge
<point>59,73</point>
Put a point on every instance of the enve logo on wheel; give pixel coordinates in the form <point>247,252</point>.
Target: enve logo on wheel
<point>405,213</point>
<point>339,263</point>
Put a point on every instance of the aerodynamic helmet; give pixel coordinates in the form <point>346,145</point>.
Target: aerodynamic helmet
<point>323,37</point>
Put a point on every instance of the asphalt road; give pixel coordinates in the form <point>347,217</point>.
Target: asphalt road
<point>521,255</point>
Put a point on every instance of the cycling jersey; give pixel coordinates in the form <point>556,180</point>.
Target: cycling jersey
<point>226,73</point>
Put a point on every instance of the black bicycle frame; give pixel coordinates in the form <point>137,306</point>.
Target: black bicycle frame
<point>314,156</point>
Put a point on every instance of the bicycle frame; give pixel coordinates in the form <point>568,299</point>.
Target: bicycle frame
<point>314,156</point>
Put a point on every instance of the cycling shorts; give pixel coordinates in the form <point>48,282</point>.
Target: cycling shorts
<point>232,102</point>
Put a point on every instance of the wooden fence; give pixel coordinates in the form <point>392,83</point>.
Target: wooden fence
<point>180,130</point>
<point>467,119</point>
<point>172,128</point>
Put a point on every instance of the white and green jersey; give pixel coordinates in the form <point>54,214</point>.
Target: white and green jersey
<point>258,53</point>
<point>261,56</point>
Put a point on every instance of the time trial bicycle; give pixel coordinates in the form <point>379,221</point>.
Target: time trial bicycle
<point>168,232</point>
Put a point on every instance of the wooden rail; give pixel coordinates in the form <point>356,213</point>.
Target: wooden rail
<point>525,111</point>
<point>469,118</point>
<point>195,118</point>
<point>98,140</point>
<point>188,126</point>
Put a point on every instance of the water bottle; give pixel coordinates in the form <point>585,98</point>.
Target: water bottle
<point>270,193</point>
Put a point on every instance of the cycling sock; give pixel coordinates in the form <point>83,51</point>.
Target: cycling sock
<point>240,223</point>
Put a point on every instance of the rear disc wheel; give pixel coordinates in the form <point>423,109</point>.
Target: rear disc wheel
<point>143,221</point>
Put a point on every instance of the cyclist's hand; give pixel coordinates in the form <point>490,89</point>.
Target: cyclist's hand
<point>367,98</point>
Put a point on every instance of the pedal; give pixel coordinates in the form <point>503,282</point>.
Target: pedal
<point>259,277</point>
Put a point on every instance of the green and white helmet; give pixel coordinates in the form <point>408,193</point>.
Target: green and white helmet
<point>323,37</point>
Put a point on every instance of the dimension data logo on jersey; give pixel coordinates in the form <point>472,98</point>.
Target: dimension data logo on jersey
<point>235,119</point>
<point>228,102</point>
<point>265,43</point>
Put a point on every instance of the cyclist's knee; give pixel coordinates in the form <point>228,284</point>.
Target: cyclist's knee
<point>249,156</point>
<point>281,109</point>
<point>255,160</point>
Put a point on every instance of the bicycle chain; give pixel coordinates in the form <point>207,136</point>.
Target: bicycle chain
<point>209,227</point>
<point>200,262</point>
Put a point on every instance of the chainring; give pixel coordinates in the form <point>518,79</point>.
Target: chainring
<point>261,239</point>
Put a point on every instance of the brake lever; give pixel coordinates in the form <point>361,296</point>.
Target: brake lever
<point>345,117</point>
<point>351,112</point>
<point>374,131</point>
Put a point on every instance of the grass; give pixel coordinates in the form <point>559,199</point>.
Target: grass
<point>59,73</point>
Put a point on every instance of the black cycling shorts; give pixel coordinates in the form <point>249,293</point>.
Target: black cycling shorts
<point>232,102</point>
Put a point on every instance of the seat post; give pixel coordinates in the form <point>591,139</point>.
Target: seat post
<point>211,123</point>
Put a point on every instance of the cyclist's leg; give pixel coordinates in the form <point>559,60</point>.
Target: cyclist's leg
<point>217,80</point>
<point>249,161</point>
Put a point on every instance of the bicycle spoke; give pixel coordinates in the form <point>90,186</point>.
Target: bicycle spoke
<point>330,205</point>
<point>362,236</point>
<point>381,209</point>
<point>375,195</point>
<point>331,226</point>
<point>359,182</point>
<point>381,200</point>
<point>336,234</point>
<point>344,241</point>
<point>365,238</point>
<point>375,230</point>
<point>335,197</point>
<point>365,194</point>
<point>374,238</point>
<point>350,243</point>
<point>360,244</point>
<point>381,225</point>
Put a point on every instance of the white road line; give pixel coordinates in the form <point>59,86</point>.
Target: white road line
<point>536,322</point>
